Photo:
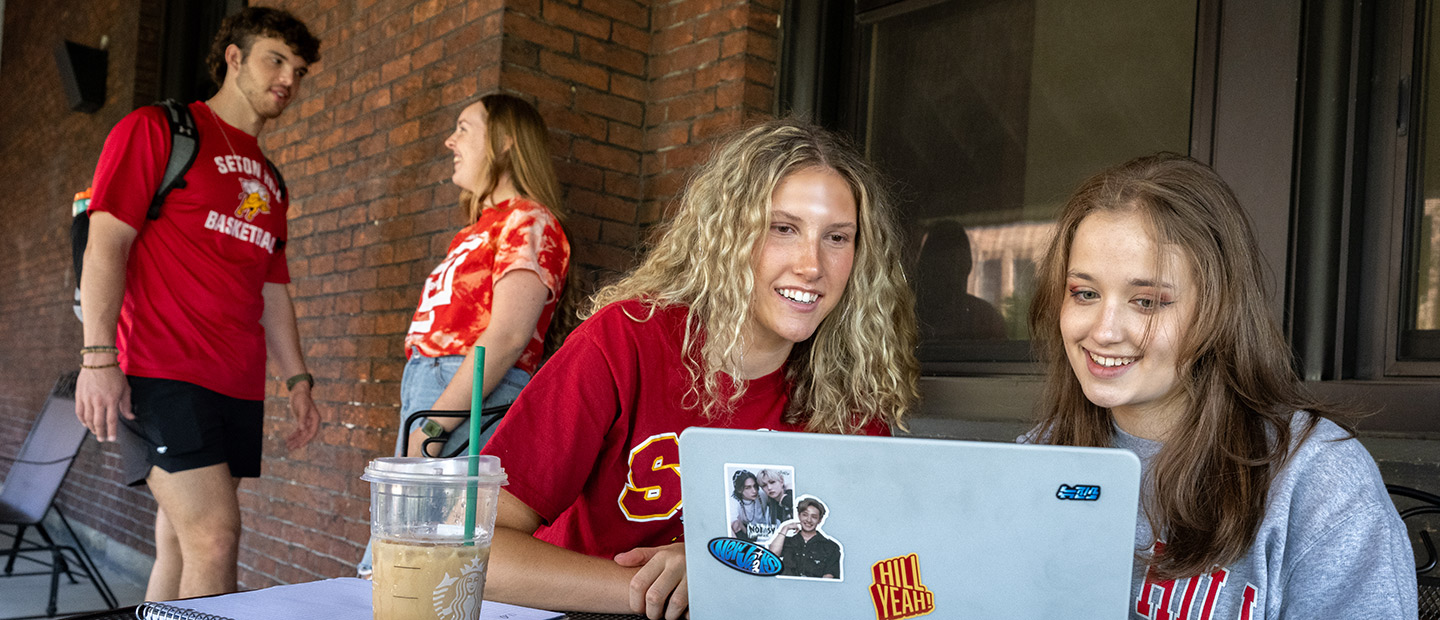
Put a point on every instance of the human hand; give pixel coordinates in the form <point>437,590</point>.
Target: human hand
<point>660,589</point>
<point>789,528</point>
<point>306,416</point>
<point>736,526</point>
<point>101,396</point>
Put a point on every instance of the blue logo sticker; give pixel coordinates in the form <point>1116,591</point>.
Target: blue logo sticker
<point>1079,492</point>
<point>745,556</point>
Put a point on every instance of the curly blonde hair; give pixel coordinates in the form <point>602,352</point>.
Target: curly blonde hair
<point>859,367</point>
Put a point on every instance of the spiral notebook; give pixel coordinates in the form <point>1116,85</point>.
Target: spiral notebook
<point>331,599</point>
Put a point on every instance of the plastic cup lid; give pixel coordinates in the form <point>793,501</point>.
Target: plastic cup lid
<point>403,469</point>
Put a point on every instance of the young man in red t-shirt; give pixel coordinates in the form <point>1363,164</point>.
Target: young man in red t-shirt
<point>181,311</point>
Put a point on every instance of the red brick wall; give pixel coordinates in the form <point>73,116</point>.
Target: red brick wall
<point>47,153</point>
<point>713,68</point>
<point>634,92</point>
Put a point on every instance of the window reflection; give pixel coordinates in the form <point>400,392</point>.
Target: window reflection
<point>1427,298</point>
<point>1423,310</point>
<point>988,112</point>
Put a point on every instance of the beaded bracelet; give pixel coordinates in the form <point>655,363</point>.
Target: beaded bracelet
<point>99,366</point>
<point>99,349</point>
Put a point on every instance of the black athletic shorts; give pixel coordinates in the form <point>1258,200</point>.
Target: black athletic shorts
<point>180,426</point>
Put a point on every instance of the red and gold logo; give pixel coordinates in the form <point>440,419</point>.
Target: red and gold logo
<point>254,200</point>
<point>652,492</point>
<point>897,590</point>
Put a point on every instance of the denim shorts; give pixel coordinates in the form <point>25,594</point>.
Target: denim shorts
<point>425,378</point>
<point>423,381</point>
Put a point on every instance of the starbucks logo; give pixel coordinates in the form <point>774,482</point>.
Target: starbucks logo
<point>458,598</point>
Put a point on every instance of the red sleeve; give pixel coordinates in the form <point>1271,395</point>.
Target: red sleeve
<point>552,437</point>
<point>279,271</point>
<point>531,238</point>
<point>130,166</point>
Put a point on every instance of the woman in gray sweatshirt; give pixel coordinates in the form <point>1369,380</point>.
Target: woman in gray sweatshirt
<point>1257,500</point>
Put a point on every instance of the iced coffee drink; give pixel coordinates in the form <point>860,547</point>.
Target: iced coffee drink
<point>420,581</point>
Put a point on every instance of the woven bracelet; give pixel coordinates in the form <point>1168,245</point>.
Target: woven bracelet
<point>295,380</point>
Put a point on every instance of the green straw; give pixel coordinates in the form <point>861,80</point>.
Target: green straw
<point>477,396</point>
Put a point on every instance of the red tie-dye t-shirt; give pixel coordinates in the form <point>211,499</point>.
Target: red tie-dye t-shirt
<point>455,303</point>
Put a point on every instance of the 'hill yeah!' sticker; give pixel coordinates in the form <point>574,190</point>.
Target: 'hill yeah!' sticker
<point>897,590</point>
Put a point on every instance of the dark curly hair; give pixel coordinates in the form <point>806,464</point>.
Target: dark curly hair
<point>241,29</point>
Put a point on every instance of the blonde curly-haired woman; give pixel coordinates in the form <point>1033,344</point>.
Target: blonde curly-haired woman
<point>773,299</point>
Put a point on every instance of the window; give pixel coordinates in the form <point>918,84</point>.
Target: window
<point>1420,310</point>
<point>189,29</point>
<point>1323,117</point>
<point>987,114</point>
<point>1398,330</point>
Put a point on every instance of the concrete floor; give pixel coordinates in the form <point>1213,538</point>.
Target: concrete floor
<point>27,596</point>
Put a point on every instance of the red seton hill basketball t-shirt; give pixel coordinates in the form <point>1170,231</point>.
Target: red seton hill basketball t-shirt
<point>193,283</point>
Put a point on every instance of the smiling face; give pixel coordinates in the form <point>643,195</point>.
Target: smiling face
<point>809,519</point>
<point>804,262</point>
<point>1122,322</point>
<point>268,76</point>
<point>468,143</point>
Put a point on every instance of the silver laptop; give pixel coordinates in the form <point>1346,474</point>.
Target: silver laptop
<point>802,525</point>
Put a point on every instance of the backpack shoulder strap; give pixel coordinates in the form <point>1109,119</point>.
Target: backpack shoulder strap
<point>184,145</point>
<point>279,179</point>
<point>284,192</point>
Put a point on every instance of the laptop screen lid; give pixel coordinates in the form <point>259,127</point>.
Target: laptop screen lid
<point>833,526</point>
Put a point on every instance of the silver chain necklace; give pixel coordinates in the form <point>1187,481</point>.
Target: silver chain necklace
<point>219,124</point>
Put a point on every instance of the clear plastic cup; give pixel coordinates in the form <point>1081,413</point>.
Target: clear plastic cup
<point>425,564</point>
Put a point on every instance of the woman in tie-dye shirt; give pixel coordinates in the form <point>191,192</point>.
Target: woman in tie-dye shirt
<point>502,278</point>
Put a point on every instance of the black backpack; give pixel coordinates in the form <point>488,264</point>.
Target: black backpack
<point>184,145</point>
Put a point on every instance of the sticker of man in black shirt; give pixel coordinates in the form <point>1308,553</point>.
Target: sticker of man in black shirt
<point>804,550</point>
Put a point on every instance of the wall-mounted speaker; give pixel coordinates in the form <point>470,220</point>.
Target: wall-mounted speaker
<point>82,71</point>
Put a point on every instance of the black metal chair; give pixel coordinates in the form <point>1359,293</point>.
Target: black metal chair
<point>1429,586</point>
<point>489,416</point>
<point>29,494</point>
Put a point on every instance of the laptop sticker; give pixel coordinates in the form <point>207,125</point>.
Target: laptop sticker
<point>746,557</point>
<point>760,497</point>
<point>805,551</point>
<point>897,591</point>
<point>1079,492</point>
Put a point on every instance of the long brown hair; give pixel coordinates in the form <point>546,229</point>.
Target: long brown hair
<point>517,144</point>
<point>859,366</point>
<point>1206,490</point>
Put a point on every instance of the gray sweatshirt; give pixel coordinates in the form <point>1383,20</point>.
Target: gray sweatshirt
<point>1331,545</point>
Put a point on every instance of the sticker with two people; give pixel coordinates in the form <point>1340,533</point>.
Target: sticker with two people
<point>769,526</point>
<point>761,497</point>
